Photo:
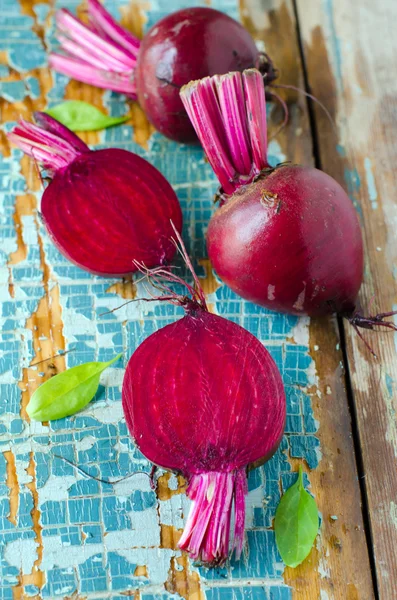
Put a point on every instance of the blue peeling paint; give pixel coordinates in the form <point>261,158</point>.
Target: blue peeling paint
<point>371,185</point>
<point>256,593</point>
<point>335,41</point>
<point>389,385</point>
<point>13,91</point>
<point>41,11</point>
<point>16,91</point>
<point>33,86</point>
<point>23,61</point>
<point>353,183</point>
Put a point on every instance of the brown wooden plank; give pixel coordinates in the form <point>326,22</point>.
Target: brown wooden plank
<point>351,53</point>
<point>339,567</point>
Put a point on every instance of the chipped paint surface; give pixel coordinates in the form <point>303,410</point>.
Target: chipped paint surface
<point>371,185</point>
<point>62,534</point>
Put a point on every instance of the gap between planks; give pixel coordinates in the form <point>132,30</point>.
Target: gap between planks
<point>348,383</point>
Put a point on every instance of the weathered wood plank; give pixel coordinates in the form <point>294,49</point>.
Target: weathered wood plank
<point>339,567</point>
<point>351,54</point>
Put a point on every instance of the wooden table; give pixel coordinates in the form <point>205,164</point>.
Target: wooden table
<point>63,535</point>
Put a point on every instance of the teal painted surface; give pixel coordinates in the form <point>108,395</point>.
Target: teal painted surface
<point>334,40</point>
<point>389,384</point>
<point>371,185</point>
<point>95,535</point>
<point>353,184</point>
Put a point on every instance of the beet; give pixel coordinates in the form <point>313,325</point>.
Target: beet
<point>204,398</point>
<point>290,242</point>
<point>188,44</point>
<point>286,237</point>
<point>104,209</point>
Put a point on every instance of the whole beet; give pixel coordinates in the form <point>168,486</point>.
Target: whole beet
<point>185,45</point>
<point>188,44</point>
<point>290,242</point>
<point>285,237</point>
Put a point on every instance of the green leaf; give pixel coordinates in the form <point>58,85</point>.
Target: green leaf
<point>296,523</point>
<point>82,116</point>
<point>68,392</point>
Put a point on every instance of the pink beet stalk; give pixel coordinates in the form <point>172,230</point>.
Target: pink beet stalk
<point>215,496</point>
<point>255,99</point>
<point>228,113</point>
<point>104,23</point>
<point>102,54</point>
<point>48,142</point>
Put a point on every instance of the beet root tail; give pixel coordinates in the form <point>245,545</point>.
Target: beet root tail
<point>372,322</point>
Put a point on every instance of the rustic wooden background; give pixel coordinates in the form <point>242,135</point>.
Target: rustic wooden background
<point>345,53</point>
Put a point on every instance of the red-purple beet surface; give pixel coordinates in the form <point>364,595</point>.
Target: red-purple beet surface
<point>188,44</point>
<point>285,237</point>
<point>241,412</point>
<point>110,208</point>
<point>290,242</point>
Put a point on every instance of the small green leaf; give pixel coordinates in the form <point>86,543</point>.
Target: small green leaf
<point>82,116</point>
<point>296,523</point>
<point>68,392</point>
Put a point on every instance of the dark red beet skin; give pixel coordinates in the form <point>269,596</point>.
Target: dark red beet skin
<point>203,394</point>
<point>290,242</point>
<point>188,44</point>
<point>108,208</point>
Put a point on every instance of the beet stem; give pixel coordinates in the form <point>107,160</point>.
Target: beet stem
<point>108,80</point>
<point>231,100</point>
<point>53,126</point>
<point>256,113</point>
<point>104,22</point>
<point>215,496</point>
<point>49,142</point>
<point>102,54</point>
<point>202,106</point>
<point>228,113</point>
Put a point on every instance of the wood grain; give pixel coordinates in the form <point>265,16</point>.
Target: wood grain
<point>339,567</point>
<point>351,55</point>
